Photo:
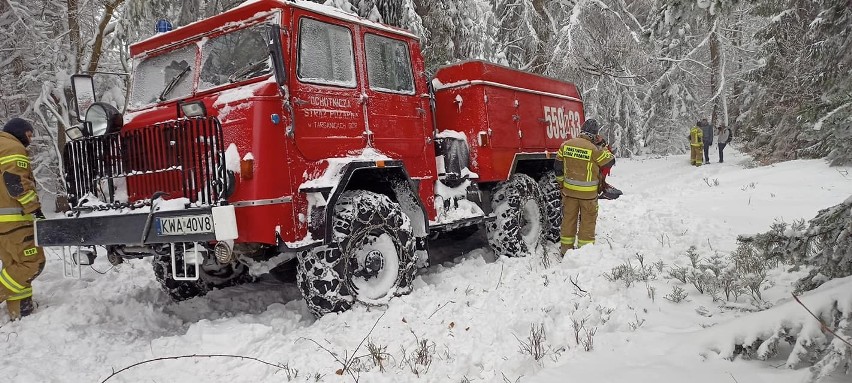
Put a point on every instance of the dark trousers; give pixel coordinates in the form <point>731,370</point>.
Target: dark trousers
<point>707,152</point>
<point>721,151</point>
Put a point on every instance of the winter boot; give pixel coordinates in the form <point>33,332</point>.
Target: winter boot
<point>14,308</point>
<point>27,306</point>
<point>20,308</point>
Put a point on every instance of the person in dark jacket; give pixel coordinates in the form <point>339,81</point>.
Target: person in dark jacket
<point>725,137</point>
<point>707,130</point>
<point>22,260</point>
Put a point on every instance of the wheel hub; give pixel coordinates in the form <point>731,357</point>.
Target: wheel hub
<point>374,262</point>
<point>530,224</point>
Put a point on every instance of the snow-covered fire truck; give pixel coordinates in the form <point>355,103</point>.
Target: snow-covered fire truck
<point>286,134</point>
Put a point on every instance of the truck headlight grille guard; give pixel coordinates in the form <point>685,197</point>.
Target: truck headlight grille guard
<point>183,158</point>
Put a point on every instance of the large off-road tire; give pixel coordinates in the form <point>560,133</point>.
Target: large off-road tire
<point>212,276</point>
<point>552,194</point>
<point>520,220</point>
<point>373,259</point>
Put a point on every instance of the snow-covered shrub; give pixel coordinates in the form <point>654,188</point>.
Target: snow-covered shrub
<point>630,274</point>
<point>534,345</point>
<point>823,343</point>
<point>819,329</point>
<point>677,295</point>
<point>725,277</point>
<point>825,245</point>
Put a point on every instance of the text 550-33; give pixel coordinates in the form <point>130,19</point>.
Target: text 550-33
<point>561,123</point>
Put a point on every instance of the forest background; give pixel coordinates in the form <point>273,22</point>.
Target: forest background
<point>777,72</point>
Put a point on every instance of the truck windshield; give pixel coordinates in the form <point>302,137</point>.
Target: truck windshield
<point>167,76</point>
<point>234,57</point>
<point>229,58</point>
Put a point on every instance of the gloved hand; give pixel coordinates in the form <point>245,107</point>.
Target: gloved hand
<point>38,214</point>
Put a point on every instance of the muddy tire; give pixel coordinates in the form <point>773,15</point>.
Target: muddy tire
<point>520,219</point>
<point>373,259</point>
<point>552,194</point>
<point>213,276</point>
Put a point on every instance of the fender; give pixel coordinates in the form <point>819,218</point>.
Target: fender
<point>388,177</point>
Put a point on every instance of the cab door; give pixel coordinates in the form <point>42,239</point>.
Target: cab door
<point>325,96</point>
<point>396,114</point>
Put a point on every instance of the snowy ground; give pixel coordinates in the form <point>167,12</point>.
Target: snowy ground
<point>469,315</point>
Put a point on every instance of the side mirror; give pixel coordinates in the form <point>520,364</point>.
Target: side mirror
<point>104,119</point>
<point>83,87</point>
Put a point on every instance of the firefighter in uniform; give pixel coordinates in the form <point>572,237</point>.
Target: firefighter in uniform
<point>578,168</point>
<point>696,143</point>
<point>22,260</point>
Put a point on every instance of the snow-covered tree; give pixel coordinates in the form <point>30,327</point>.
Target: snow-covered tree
<point>599,50</point>
<point>799,103</point>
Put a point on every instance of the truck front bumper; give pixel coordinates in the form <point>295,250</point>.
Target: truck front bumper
<point>172,226</point>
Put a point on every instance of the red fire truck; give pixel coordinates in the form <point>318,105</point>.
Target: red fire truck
<point>289,134</point>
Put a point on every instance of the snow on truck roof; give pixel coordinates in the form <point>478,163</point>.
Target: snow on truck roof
<point>480,72</point>
<point>249,11</point>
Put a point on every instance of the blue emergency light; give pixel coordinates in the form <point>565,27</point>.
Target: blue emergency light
<point>163,26</point>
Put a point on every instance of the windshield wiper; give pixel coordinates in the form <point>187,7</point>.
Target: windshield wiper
<point>250,70</point>
<point>172,83</point>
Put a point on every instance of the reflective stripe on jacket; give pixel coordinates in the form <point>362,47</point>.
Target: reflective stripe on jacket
<point>696,136</point>
<point>581,162</point>
<point>18,196</point>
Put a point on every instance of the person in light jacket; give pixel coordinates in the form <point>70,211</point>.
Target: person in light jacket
<point>725,137</point>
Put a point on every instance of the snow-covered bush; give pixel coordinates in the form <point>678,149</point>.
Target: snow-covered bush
<point>819,328</point>
<point>822,344</point>
<point>825,245</point>
<point>725,277</point>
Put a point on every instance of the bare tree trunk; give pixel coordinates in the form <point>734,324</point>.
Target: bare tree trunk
<point>97,46</point>
<point>542,29</point>
<point>715,71</point>
<point>737,99</point>
<point>73,17</point>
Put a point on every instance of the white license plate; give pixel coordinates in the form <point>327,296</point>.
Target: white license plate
<point>190,224</point>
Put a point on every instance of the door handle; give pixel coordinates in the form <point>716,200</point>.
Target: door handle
<point>298,101</point>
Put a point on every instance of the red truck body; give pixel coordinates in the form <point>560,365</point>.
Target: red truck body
<point>504,112</point>
<point>339,104</point>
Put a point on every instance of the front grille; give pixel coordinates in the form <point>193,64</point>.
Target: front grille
<point>182,158</point>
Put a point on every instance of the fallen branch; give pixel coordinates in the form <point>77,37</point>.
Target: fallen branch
<point>190,356</point>
<point>573,282</point>
<point>821,323</point>
<point>347,361</point>
<point>439,308</point>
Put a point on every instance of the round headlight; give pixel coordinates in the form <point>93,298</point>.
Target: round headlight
<point>103,119</point>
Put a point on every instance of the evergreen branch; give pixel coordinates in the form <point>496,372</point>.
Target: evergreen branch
<point>822,323</point>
